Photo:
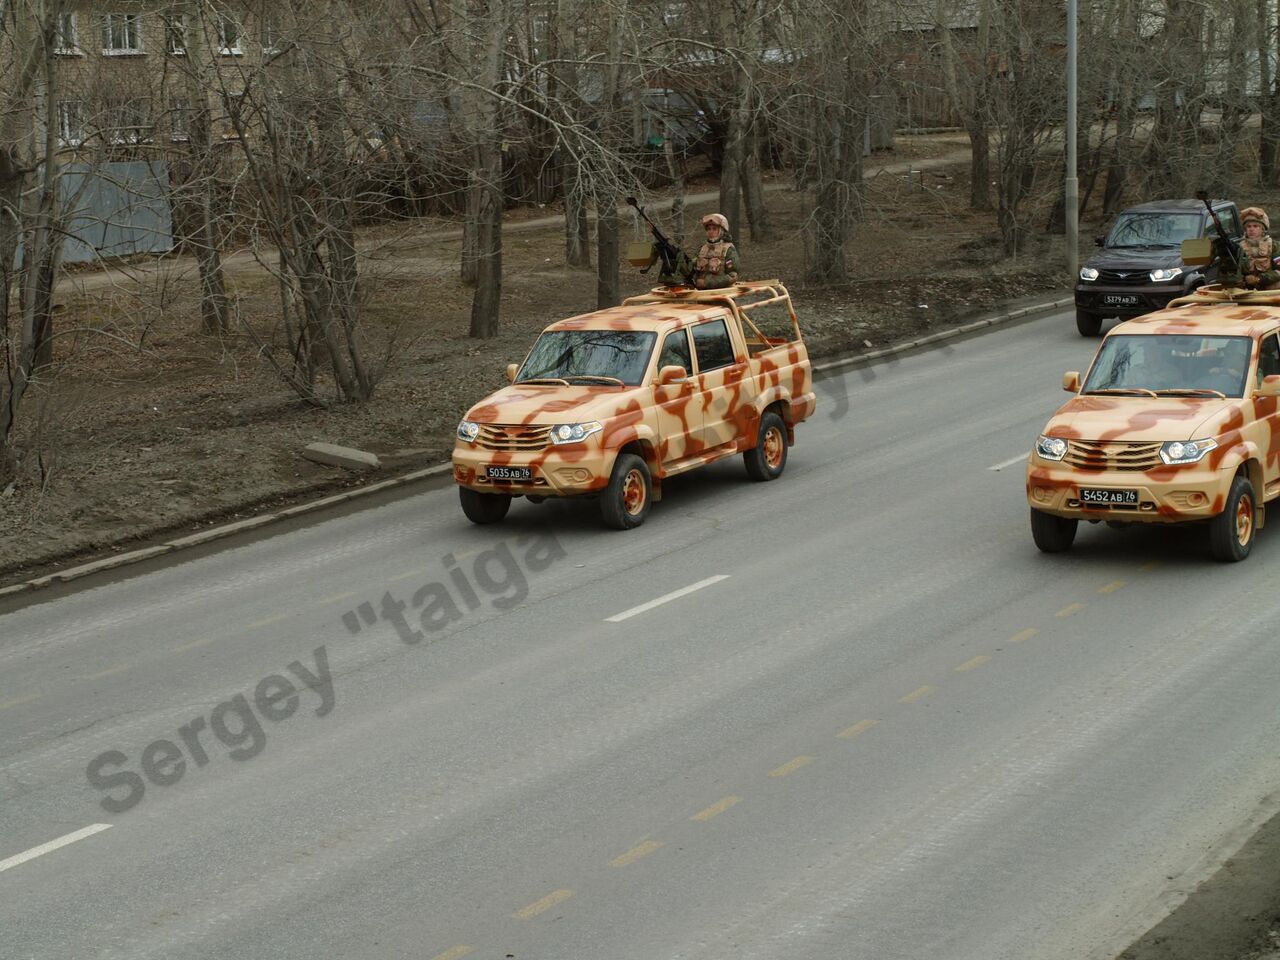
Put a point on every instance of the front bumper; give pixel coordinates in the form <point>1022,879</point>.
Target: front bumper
<point>1099,297</point>
<point>1167,494</point>
<point>558,471</point>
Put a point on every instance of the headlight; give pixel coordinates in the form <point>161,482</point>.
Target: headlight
<point>468,431</point>
<point>1159,276</point>
<point>1088,273</point>
<point>574,432</point>
<point>1188,451</point>
<point>1051,448</point>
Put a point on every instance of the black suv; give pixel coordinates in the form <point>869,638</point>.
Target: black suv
<point>1140,268</point>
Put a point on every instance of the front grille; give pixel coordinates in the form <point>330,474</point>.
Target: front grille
<point>1123,276</point>
<point>499,436</point>
<point>1112,455</point>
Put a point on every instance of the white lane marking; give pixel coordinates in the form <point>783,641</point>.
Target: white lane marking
<point>1020,458</point>
<point>675,595</point>
<point>52,845</point>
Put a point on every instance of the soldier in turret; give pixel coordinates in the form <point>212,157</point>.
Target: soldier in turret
<point>717,262</point>
<point>1257,250</point>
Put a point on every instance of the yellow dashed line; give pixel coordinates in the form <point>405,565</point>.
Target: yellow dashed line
<point>267,621</point>
<point>1069,611</point>
<point>119,667</point>
<point>862,726</point>
<point>1113,586</point>
<point>719,807</point>
<point>405,576</point>
<point>1026,634</point>
<point>546,903</point>
<point>791,766</point>
<point>453,953</point>
<point>635,853</point>
<point>970,664</point>
<point>915,695</point>
<point>192,645</point>
<point>20,701</point>
<point>338,596</point>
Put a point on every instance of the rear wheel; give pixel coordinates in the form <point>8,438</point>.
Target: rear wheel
<point>484,507</point>
<point>1052,534</point>
<point>625,502</point>
<point>1089,324</point>
<point>768,458</point>
<point>1231,532</point>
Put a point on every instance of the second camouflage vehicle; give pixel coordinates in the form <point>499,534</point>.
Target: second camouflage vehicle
<point>610,404</point>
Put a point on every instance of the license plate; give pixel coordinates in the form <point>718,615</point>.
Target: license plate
<point>1095,495</point>
<point>1119,300</point>
<point>508,473</point>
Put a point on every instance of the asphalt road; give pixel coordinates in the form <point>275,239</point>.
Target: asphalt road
<point>882,725</point>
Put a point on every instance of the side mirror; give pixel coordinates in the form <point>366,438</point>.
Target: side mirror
<point>512,370</point>
<point>1071,381</point>
<point>672,375</point>
<point>1270,386</point>
<point>1099,241</point>
<point>1198,252</point>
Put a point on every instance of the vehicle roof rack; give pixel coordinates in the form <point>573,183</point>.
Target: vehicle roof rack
<point>1218,293</point>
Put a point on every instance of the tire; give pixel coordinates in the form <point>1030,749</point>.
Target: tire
<point>1232,532</point>
<point>1052,534</point>
<point>625,502</point>
<point>1089,324</point>
<point>768,458</point>
<point>484,507</point>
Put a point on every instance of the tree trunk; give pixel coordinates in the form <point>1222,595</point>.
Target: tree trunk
<point>487,176</point>
<point>753,188</point>
<point>1268,100</point>
<point>608,278</point>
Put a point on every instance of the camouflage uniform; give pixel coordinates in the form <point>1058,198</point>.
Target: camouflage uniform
<point>717,263</point>
<point>1256,256</point>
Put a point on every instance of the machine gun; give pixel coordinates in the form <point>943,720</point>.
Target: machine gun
<point>674,262</point>
<point>1228,250</point>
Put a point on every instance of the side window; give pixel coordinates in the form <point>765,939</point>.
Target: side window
<point>1230,220</point>
<point>675,351</point>
<point>1268,357</point>
<point>711,341</point>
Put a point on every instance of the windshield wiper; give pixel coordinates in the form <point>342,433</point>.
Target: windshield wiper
<point>558,380</point>
<point>1127,391</point>
<point>597,376</point>
<point>1192,391</point>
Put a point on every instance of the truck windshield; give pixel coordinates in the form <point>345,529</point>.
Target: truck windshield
<point>590,356</point>
<point>1154,229</point>
<point>1170,365</point>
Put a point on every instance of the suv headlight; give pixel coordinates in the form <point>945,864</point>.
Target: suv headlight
<point>1088,273</point>
<point>1186,451</point>
<point>468,431</point>
<point>1051,448</point>
<point>1160,276</point>
<point>574,432</point>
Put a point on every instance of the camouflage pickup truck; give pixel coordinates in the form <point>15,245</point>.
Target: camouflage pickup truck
<point>610,404</point>
<point>1177,421</point>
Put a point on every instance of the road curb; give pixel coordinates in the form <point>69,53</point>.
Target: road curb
<point>262,520</point>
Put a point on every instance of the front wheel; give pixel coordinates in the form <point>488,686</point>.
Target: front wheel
<point>484,507</point>
<point>1089,324</point>
<point>625,502</point>
<point>1052,534</point>
<point>1231,533</point>
<point>768,458</point>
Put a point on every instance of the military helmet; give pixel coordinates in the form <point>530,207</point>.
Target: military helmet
<point>1257,215</point>
<point>718,219</point>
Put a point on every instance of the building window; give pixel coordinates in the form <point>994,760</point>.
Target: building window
<point>180,121</point>
<point>71,122</point>
<point>228,36</point>
<point>66,41</point>
<point>272,41</point>
<point>175,34</point>
<point>121,34</point>
<point>128,121</point>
